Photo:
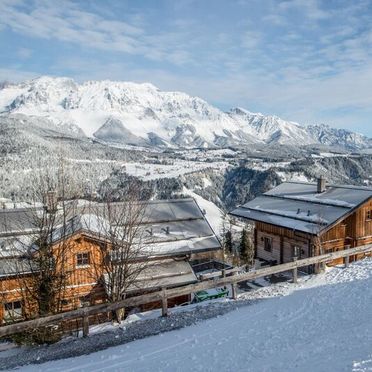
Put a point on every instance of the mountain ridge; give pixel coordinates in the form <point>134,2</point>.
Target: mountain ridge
<point>141,114</point>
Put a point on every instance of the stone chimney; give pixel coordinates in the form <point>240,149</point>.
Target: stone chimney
<point>321,185</point>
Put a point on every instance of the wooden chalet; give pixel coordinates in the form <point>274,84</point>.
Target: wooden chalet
<point>300,220</point>
<point>176,233</point>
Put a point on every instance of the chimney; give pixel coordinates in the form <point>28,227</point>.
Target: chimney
<point>321,185</point>
<point>51,201</point>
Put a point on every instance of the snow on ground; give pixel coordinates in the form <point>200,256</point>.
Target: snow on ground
<point>151,171</point>
<point>213,214</point>
<point>292,176</point>
<point>322,324</point>
<point>148,171</point>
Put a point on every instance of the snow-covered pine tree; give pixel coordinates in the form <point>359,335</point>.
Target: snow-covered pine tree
<point>246,249</point>
<point>226,234</point>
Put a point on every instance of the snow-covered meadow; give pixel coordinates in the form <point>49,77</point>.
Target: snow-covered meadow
<point>321,324</point>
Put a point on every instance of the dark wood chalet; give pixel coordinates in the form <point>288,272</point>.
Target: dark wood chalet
<point>302,220</point>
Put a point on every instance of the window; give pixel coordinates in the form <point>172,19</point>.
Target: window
<point>65,302</point>
<point>297,251</point>
<point>13,310</point>
<point>84,301</point>
<point>82,259</point>
<point>268,244</point>
<point>369,214</point>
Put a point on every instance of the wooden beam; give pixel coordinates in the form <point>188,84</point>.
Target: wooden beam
<point>164,303</point>
<point>85,326</point>
<point>234,292</point>
<point>223,273</point>
<point>294,271</point>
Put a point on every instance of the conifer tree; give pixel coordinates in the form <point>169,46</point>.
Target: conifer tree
<point>246,249</point>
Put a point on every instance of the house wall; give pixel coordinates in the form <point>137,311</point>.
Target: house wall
<point>83,282</point>
<point>82,285</point>
<point>283,241</point>
<point>10,291</point>
<point>355,230</point>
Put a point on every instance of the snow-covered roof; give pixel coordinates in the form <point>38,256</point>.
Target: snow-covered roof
<point>167,227</point>
<point>16,265</point>
<point>18,220</point>
<point>298,206</point>
<point>163,273</point>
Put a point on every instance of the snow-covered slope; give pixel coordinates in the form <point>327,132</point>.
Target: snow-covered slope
<point>324,325</point>
<point>272,129</point>
<point>341,137</point>
<point>140,114</point>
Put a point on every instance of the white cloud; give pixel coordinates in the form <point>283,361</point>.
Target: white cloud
<point>67,23</point>
<point>299,59</point>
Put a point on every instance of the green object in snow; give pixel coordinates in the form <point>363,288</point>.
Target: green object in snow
<point>210,294</point>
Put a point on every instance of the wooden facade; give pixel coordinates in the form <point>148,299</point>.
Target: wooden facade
<point>84,283</point>
<point>278,244</point>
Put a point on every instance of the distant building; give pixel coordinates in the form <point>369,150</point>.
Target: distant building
<point>175,232</point>
<point>302,220</point>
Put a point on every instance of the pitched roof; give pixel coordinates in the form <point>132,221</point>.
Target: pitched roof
<point>169,227</point>
<point>162,273</point>
<point>298,206</point>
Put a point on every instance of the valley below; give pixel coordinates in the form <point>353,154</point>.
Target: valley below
<point>105,134</point>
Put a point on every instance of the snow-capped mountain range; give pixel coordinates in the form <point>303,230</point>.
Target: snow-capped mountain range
<point>141,114</point>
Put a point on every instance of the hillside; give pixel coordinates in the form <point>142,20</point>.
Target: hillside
<point>321,324</point>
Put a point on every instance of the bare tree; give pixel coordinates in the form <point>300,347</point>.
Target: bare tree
<point>38,243</point>
<point>122,226</point>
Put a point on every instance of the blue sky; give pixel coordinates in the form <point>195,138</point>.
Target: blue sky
<point>303,60</point>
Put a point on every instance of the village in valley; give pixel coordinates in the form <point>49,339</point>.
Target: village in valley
<point>150,221</point>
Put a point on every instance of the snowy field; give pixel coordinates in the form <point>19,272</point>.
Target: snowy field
<point>321,324</point>
<point>151,171</point>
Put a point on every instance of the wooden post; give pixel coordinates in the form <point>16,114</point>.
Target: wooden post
<point>347,258</point>
<point>164,303</point>
<point>234,293</point>
<point>294,271</point>
<point>85,325</point>
<point>347,261</point>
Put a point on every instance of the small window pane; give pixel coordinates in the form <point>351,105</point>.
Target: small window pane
<point>13,310</point>
<point>82,259</point>
<point>267,244</point>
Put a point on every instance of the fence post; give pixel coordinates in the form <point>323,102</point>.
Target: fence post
<point>234,293</point>
<point>85,325</point>
<point>164,303</point>
<point>234,289</point>
<point>294,271</point>
<point>347,261</point>
<point>347,258</point>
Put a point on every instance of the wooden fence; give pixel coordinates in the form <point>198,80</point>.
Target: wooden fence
<point>163,295</point>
